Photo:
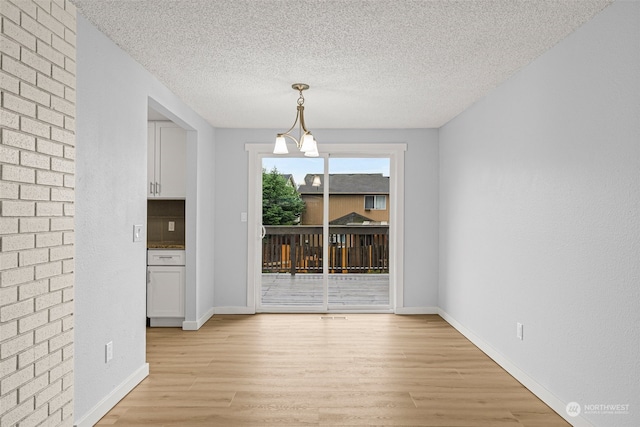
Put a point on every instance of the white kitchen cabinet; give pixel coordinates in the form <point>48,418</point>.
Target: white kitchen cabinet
<point>166,161</point>
<point>165,291</point>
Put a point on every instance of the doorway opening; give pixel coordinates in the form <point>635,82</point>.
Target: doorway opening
<point>169,224</point>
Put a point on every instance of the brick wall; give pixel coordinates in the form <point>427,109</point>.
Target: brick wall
<point>37,151</point>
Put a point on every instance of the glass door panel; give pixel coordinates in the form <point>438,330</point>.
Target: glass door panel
<point>292,246</point>
<point>358,255</point>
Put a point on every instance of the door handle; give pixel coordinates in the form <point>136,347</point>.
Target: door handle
<point>263,232</point>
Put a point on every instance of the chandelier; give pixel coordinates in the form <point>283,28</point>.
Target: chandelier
<point>305,142</point>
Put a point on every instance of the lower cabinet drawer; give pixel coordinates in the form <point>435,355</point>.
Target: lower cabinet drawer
<point>165,257</point>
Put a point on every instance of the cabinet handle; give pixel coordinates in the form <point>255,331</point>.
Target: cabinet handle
<point>157,188</point>
<point>151,188</point>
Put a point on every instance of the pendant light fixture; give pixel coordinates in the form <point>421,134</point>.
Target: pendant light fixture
<point>305,141</point>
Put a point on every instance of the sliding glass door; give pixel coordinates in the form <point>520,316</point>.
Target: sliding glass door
<point>325,234</point>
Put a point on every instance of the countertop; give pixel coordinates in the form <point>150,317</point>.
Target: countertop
<point>164,246</point>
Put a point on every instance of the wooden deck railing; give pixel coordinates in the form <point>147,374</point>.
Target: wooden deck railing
<point>352,249</point>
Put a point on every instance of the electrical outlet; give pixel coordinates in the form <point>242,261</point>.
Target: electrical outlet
<point>108,352</point>
<point>519,331</point>
<point>172,226</point>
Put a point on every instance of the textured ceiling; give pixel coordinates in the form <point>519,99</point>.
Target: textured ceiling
<point>370,63</point>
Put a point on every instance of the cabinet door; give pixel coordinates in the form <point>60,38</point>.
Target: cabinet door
<point>165,292</point>
<point>151,159</point>
<point>172,161</point>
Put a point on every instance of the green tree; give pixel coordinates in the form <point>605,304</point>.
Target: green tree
<point>281,203</point>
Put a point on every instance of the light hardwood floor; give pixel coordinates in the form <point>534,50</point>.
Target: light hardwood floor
<point>324,370</point>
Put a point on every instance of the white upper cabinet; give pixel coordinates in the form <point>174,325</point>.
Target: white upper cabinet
<point>166,161</point>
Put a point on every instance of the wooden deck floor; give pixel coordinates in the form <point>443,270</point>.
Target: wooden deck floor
<point>317,370</point>
<point>283,289</point>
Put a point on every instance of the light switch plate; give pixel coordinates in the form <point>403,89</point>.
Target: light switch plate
<point>137,233</point>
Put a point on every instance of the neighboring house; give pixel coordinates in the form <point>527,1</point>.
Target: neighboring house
<point>353,199</point>
<point>289,178</point>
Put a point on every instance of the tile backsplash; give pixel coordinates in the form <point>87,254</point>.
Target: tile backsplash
<point>162,215</point>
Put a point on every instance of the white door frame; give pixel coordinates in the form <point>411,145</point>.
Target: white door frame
<point>395,153</point>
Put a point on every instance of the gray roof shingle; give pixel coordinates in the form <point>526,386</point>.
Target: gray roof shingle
<point>351,183</point>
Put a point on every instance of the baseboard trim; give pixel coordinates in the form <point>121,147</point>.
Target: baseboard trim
<point>234,310</point>
<point>165,322</point>
<point>532,385</point>
<point>106,404</point>
<point>398,310</point>
<point>416,310</point>
<point>190,325</point>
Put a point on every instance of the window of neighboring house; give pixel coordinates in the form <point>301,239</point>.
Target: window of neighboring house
<point>375,203</point>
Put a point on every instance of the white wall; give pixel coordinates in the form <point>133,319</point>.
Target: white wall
<point>112,99</point>
<point>421,209</point>
<point>201,298</point>
<point>539,217</point>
